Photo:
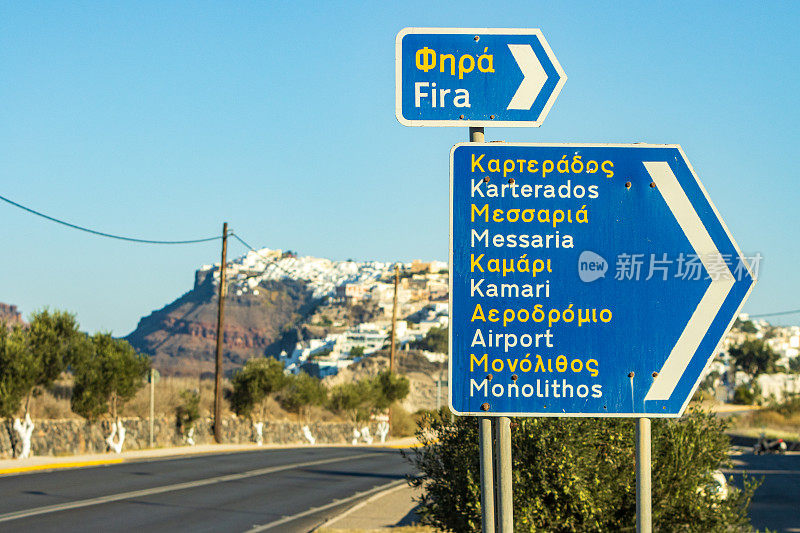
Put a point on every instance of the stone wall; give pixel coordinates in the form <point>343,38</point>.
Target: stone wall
<point>77,436</point>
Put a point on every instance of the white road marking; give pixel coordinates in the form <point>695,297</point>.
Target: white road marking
<point>334,503</point>
<point>16,515</point>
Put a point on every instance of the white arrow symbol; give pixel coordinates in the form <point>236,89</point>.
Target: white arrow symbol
<point>534,77</point>
<point>715,295</point>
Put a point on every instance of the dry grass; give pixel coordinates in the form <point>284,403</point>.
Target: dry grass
<point>168,397</point>
<point>54,403</point>
<point>404,424</point>
<point>770,422</point>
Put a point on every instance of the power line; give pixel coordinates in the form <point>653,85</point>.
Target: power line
<point>102,234</point>
<point>794,311</point>
<point>267,259</point>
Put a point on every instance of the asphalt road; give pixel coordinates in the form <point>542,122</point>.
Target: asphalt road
<point>776,503</point>
<point>270,490</point>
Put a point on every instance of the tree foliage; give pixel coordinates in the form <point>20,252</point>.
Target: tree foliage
<point>357,351</point>
<point>16,370</point>
<point>360,399</point>
<point>434,341</point>
<point>755,357</point>
<point>577,474</point>
<point>55,342</point>
<point>32,358</point>
<point>746,326</point>
<point>253,383</point>
<point>107,377</point>
<point>390,387</point>
<point>188,411</point>
<point>355,399</point>
<point>302,392</point>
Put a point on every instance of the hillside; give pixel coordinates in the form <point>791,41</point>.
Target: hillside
<point>275,299</point>
<point>181,337</point>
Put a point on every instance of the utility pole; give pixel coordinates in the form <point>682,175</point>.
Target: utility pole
<point>152,401</point>
<point>394,317</point>
<point>394,333</point>
<point>220,319</point>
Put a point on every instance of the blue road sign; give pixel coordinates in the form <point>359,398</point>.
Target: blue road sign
<point>474,77</point>
<point>586,279</point>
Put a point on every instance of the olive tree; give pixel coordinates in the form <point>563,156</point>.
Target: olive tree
<point>252,386</point>
<point>105,380</point>
<point>187,413</point>
<point>302,392</point>
<point>33,357</point>
<point>390,387</point>
<point>16,380</point>
<point>366,397</point>
<point>355,400</point>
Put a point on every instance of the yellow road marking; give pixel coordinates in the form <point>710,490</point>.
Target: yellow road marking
<point>52,466</point>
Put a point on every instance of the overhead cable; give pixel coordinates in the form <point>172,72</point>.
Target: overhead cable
<point>103,234</point>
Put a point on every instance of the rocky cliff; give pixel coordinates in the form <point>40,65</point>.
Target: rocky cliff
<point>9,315</point>
<point>181,337</point>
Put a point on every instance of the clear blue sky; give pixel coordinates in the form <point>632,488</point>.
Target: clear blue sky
<point>161,120</point>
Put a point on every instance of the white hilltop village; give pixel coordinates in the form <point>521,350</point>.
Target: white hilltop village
<point>721,376</point>
<point>422,293</point>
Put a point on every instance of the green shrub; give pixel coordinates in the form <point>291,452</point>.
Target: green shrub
<point>303,392</point>
<point>253,384</point>
<point>188,411</point>
<point>107,377</point>
<point>745,395</point>
<point>434,341</point>
<point>577,474</point>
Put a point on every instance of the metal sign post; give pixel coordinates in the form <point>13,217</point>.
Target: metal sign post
<point>476,135</point>
<point>644,515</point>
<point>505,498</point>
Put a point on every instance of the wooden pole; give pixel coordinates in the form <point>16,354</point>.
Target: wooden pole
<point>394,318</point>
<point>152,401</point>
<point>220,319</point>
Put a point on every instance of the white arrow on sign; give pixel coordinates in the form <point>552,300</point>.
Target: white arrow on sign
<point>715,295</point>
<point>534,77</point>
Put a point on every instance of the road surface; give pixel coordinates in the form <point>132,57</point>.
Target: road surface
<point>270,490</point>
<point>776,503</point>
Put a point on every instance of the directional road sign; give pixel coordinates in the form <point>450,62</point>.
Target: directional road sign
<point>474,77</point>
<point>587,279</point>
